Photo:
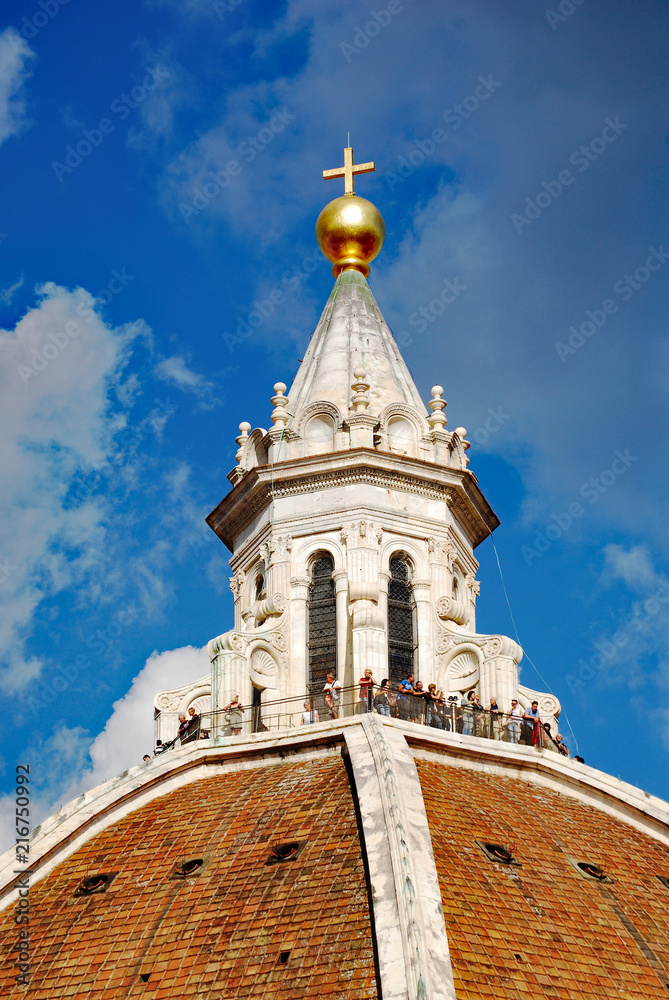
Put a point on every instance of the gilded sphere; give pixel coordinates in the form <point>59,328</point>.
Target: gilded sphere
<point>350,232</point>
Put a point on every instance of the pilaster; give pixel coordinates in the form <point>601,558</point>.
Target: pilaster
<point>421,591</point>
<point>414,961</point>
<point>299,667</point>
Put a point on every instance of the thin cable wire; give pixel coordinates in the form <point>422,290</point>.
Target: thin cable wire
<point>527,656</point>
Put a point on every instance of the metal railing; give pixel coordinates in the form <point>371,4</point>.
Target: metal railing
<point>297,712</point>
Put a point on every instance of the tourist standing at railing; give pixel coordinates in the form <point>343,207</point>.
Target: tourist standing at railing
<point>479,717</point>
<point>432,699</point>
<point>309,715</point>
<point>468,715</point>
<point>561,746</point>
<point>444,711</point>
<point>332,692</point>
<point>367,685</point>
<point>495,720</point>
<point>235,715</point>
<point>417,703</point>
<point>182,731</point>
<point>193,730</point>
<point>514,720</point>
<point>404,690</point>
<point>381,701</point>
<point>531,717</point>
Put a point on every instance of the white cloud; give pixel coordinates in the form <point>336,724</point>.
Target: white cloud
<point>7,294</point>
<point>176,371</point>
<point>634,566</point>
<point>15,57</point>
<point>56,427</point>
<point>158,111</point>
<point>128,734</point>
<point>68,762</point>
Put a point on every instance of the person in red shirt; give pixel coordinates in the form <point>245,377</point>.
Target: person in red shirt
<point>367,685</point>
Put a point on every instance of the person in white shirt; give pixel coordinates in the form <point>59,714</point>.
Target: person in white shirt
<point>332,692</point>
<point>309,716</point>
<point>513,722</point>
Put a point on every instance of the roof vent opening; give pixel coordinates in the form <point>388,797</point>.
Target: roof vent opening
<point>283,957</point>
<point>591,870</point>
<point>287,851</point>
<point>497,853</point>
<point>664,879</point>
<point>99,882</point>
<point>145,976</point>
<point>187,866</point>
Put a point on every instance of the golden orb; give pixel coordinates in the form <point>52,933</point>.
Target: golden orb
<point>350,232</point>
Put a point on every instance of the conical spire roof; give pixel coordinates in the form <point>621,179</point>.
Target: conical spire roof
<point>352,334</point>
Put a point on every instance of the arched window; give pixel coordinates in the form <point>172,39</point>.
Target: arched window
<point>322,623</point>
<point>319,435</point>
<point>400,621</point>
<point>402,436</point>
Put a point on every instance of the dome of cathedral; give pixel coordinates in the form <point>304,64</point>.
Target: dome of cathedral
<point>355,860</point>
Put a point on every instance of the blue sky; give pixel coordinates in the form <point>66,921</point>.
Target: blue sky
<point>161,170</point>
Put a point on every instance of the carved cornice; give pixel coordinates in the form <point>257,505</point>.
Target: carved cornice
<point>390,472</point>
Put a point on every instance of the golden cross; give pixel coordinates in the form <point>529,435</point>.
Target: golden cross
<point>348,170</point>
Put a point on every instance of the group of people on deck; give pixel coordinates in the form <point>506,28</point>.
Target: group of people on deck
<point>410,701</point>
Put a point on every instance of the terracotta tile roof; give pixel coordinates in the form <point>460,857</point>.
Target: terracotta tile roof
<point>218,934</point>
<point>541,929</point>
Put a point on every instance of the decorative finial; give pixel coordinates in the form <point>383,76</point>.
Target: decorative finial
<point>350,230</point>
<point>280,402</point>
<point>244,429</point>
<point>437,418</point>
<point>349,170</point>
<point>360,399</point>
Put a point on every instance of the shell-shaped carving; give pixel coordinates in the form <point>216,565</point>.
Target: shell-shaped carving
<point>263,662</point>
<point>463,664</point>
<point>202,704</point>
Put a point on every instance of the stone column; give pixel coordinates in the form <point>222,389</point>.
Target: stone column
<point>367,626</point>
<point>424,663</point>
<point>344,668</point>
<point>229,676</point>
<point>499,671</point>
<point>298,665</point>
<point>278,565</point>
<point>439,554</point>
<point>384,583</point>
<point>237,586</point>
